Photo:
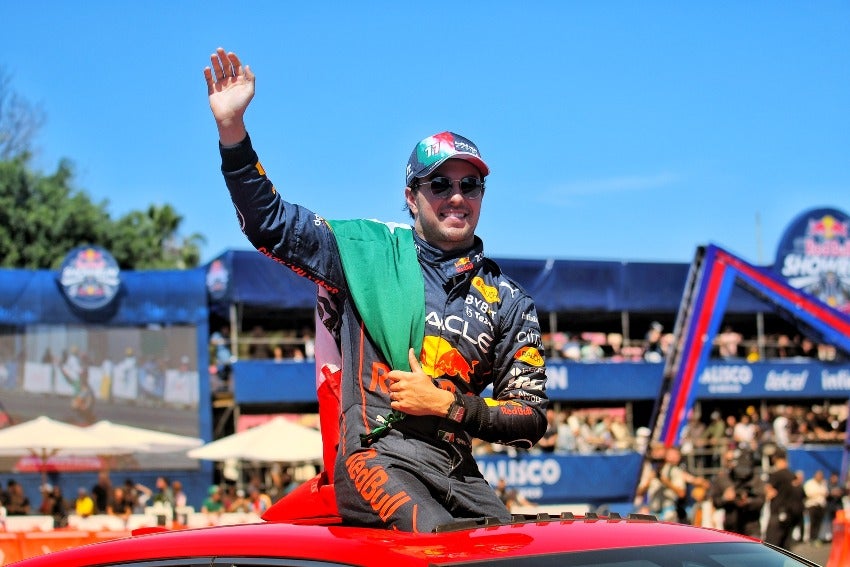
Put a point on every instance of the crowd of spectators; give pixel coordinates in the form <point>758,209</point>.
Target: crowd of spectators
<point>260,343</point>
<point>732,473</point>
<point>590,346</point>
<point>703,439</point>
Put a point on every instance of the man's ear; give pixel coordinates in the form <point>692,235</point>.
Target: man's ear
<point>410,197</point>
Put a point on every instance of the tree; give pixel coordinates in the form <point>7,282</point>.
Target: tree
<point>151,240</point>
<point>43,217</point>
<point>20,121</point>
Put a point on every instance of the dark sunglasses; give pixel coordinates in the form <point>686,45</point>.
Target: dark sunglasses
<point>441,187</point>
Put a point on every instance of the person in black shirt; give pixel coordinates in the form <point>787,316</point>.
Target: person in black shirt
<point>785,500</point>
<point>101,492</point>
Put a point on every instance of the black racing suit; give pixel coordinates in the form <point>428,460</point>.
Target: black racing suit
<point>481,328</point>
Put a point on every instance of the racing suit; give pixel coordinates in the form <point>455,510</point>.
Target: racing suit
<point>480,329</point>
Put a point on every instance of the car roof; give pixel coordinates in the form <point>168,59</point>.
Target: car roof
<point>464,541</point>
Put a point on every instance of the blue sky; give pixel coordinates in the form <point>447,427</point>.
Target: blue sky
<point>614,130</point>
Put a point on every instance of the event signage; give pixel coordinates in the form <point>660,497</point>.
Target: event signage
<point>814,256</point>
<point>218,279</point>
<point>794,380</point>
<point>90,278</point>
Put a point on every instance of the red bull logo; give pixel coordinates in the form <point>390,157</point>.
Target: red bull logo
<point>440,358</point>
<point>89,277</point>
<point>828,227</point>
<point>463,265</point>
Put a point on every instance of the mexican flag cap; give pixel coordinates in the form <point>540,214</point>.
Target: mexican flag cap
<point>431,152</point>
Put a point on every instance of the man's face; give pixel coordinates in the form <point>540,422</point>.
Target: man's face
<point>446,222</point>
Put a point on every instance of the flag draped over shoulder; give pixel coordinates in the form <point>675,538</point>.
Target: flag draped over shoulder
<point>386,285</point>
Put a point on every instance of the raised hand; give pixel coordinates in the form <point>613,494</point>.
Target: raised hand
<point>230,87</point>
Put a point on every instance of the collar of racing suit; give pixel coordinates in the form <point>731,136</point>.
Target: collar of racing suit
<point>452,264</point>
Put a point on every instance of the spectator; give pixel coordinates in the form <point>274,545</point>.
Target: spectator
<point>715,439</point>
<point>119,505</point>
<point>692,439</point>
<point>164,495</point>
<point>46,505</point>
<point>665,485</point>
<point>17,503</point>
<point>614,347</point>
<point>258,500</point>
<point>101,492</point>
<point>739,491</point>
<point>212,504</point>
<point>785,347</point>
<point>549,440</point>
<point>258,345</point>
<point>834,503</point>
<point>785,503</point>
<point>744,432</point>
<point>59,508</point>
<point>239,503</point>
<point>511,497</point>
<point>808,349</point>
<point>753,354</point>
<point>139,495</point>
<point>620,433</point>
<point>729,343</point>
<point>782,426</point>
<point>83,505</point>
<point>816,490</point>
<point>654,351</point>
<point>222,356</point>
<point>181,503</point>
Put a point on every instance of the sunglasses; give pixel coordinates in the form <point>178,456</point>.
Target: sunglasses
<point>441,187</point>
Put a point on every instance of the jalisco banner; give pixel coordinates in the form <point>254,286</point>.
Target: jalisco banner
<point>552,478</point>
<point>805,378</point>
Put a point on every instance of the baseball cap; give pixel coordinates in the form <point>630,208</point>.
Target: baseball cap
<point>433,151</point>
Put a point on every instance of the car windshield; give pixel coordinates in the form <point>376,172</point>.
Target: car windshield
<point>692,555</point>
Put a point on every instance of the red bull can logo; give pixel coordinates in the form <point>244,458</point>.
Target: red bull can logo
<point>463,265</point>
<point>440,358</point>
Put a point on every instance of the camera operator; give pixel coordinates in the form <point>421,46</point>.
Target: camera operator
<point>739,491</point>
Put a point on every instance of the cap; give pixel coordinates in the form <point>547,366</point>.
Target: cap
<point>212,489</point>
<point>47,487</point>
<point>433,151</point>
<point>657,326</point>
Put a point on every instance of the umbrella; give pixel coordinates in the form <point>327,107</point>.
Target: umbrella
<point>44,437</point>
<point>277,440</point>
<point>144,440</point>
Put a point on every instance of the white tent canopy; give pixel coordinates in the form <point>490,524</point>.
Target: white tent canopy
<point>279,440</point>
<point>147,440</point>
<point>44,437</point>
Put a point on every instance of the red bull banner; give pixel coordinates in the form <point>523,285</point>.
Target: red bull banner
<point>814,256</point>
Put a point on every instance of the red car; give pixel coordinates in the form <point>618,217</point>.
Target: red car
<point>542,540</point>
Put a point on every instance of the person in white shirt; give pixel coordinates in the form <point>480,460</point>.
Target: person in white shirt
<point>816,490</point>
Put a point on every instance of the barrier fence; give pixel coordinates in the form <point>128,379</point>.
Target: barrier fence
<point>22,537</point>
